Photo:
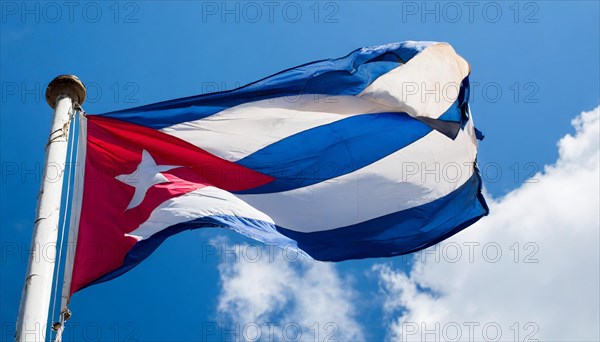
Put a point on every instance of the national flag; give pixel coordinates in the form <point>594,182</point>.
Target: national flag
<point>368,155</point>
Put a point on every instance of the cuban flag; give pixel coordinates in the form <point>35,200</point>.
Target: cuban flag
<point>368,155</point>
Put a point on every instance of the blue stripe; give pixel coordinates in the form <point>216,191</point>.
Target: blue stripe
<point>399,233</point>
<point>332,150</point>
<point>338,148</point>
<point>348,75</point>
<point>457,112</point>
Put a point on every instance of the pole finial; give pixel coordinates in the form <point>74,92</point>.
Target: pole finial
<point>68,85</point>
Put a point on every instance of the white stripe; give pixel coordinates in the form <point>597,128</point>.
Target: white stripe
<point>428,84</point>
<point>239,131</point>
<point>400,181</point>
<point>207,201</point>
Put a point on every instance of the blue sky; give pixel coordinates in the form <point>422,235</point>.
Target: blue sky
<point>534,68</point>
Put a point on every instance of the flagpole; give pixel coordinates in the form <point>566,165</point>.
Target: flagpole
<point>62,94</point>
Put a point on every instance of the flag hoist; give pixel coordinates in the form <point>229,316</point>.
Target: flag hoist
<point>64,94</point>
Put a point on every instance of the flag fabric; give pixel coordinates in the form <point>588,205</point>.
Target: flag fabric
<point>369,155</point>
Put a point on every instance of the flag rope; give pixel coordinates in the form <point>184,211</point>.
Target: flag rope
<point>59,326</point>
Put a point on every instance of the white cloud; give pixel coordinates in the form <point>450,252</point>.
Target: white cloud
<point>279,296</point>
<point>544,286</point>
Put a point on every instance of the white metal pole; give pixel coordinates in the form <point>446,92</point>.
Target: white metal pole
<point>62,93</point>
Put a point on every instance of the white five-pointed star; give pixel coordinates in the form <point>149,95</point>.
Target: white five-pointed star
<point>144,177</point>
